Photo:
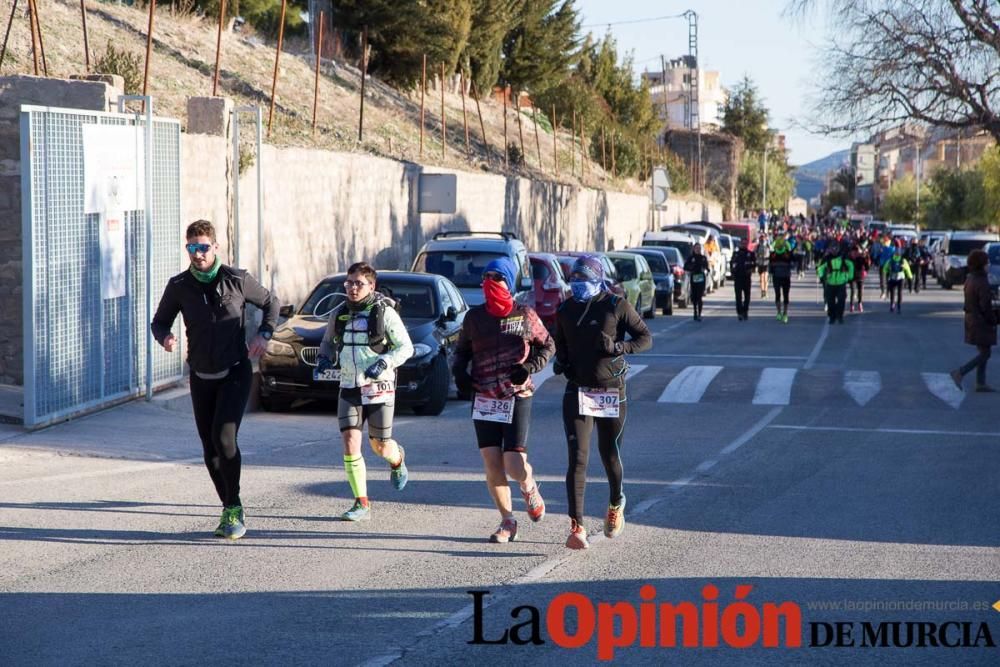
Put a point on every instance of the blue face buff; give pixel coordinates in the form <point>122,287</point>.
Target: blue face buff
<point>584,290</point>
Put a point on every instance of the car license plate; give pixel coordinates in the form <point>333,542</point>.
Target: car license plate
<point>377,393</point>
<point>329,375</point>
<point>598,402</point>
<point>500,410</point>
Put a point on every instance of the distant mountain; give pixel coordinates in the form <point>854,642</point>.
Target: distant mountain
<point>811,178</point>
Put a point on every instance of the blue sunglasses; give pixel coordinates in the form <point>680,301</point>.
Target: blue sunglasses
<point>192,248</point>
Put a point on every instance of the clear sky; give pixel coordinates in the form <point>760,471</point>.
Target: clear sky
<point>736,37</point>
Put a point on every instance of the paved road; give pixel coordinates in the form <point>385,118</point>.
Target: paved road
<point>821,465</point>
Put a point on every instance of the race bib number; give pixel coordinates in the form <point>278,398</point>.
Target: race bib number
<point>598,402</point>
<point>383,391</point>
<point>329,375</point>
<point>500,410</point>
<point>698,278</point>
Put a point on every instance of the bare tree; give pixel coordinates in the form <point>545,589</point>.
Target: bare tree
<point>891,61</point>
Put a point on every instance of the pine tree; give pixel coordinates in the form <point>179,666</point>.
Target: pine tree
<point>401,33</point>
<point>745,116</point>
<point>482,59</point>
<point>540,49</point>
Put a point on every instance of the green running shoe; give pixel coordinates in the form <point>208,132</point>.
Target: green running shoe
<point>235,523</point>
<point>358,512</point>
<point>220,530</point>
<point>399,475</point>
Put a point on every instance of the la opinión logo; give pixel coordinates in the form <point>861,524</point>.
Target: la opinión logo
<point>649,624</point>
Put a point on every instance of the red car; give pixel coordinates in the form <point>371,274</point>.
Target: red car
<point>566,260</point>
<point>551,288</point>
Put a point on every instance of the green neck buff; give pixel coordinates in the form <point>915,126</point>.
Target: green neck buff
<point>207,276</point>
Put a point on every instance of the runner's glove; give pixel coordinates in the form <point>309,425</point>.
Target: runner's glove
<point>323,363</point>
<point>611,346</point>
<point>463,381</point>
<point>376,369</point>
<point>519,374</point>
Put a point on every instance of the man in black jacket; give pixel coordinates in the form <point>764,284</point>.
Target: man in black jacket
<point>590,352</point>
<point>212,297</point>
<point>742,266</point>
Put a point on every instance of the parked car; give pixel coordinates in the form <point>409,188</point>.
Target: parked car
<point>683,242</point>
<point>953,251</point>
<point>931,239</point>
<point>568,258</point>
<point>432,309</point>
<point>728,245</point>
<point>905,232</point>
<point>682,281</point>
<point>461,257</point>
<point>663,274</point>
<point>993,252</point>
<point>551,288</point>
<point>703,231</point>
<point>637,279</point>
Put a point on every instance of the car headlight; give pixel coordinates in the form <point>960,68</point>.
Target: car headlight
<point>956,262</point>
<point>278,349</point>
<point>421,350</point>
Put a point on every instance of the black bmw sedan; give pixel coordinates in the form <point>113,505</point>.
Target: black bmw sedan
<point>430,306</point>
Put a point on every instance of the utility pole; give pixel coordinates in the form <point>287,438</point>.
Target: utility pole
<point>763,204</point>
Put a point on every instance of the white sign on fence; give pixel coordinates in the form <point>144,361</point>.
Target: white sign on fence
<point>113,183</point>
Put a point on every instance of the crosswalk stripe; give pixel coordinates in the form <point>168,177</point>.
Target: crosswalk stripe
<point>774,386</point>
<point>689,385</point>
<point>863,386</point>
<point>941,385</point>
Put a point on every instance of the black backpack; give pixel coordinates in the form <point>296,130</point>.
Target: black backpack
<point>376,322</point>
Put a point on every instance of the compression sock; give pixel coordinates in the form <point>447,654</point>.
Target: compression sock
<point>357,475</point>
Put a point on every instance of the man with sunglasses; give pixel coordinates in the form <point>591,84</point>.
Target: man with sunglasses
<point>590,351</point>
<point>212,298</point>
<point>505,343</point>
<point>370,341</point>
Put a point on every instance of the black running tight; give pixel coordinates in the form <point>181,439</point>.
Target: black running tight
<point>860,285</point>
<point>781,288</point>
<point>610,431</point>
<point>218,411</point>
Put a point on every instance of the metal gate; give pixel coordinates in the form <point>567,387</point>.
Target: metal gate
<point>82,351</point>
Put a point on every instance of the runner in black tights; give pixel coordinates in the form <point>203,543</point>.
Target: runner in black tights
<point>591,346</point>
<point>211,297</point>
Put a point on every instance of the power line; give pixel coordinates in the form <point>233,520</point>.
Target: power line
<point>611,23</point>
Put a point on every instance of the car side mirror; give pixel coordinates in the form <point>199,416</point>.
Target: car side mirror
<point>450,315</point>
<point>287,310</point>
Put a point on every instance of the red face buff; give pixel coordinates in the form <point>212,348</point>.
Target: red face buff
<point>499,300</point>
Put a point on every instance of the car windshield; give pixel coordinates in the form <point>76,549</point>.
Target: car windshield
<point>539,271</point>
<point>464,268</point>
<point>416,301</point>
<point>657,263</point>
<point>683,247</point>
<point>674,255</point>
<point>625,268</point>
<point>963,247</point>
<point>994,253</point>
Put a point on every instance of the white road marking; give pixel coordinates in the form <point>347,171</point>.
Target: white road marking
<point>811,360</point>
<point>634,370</point>
<point>901,431</point>
<point>774,386</point>
<point>689,385</point>
<point>941,385</point>
<point>763,423</point>
<point>706,465</point>
<point>863,386</point>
